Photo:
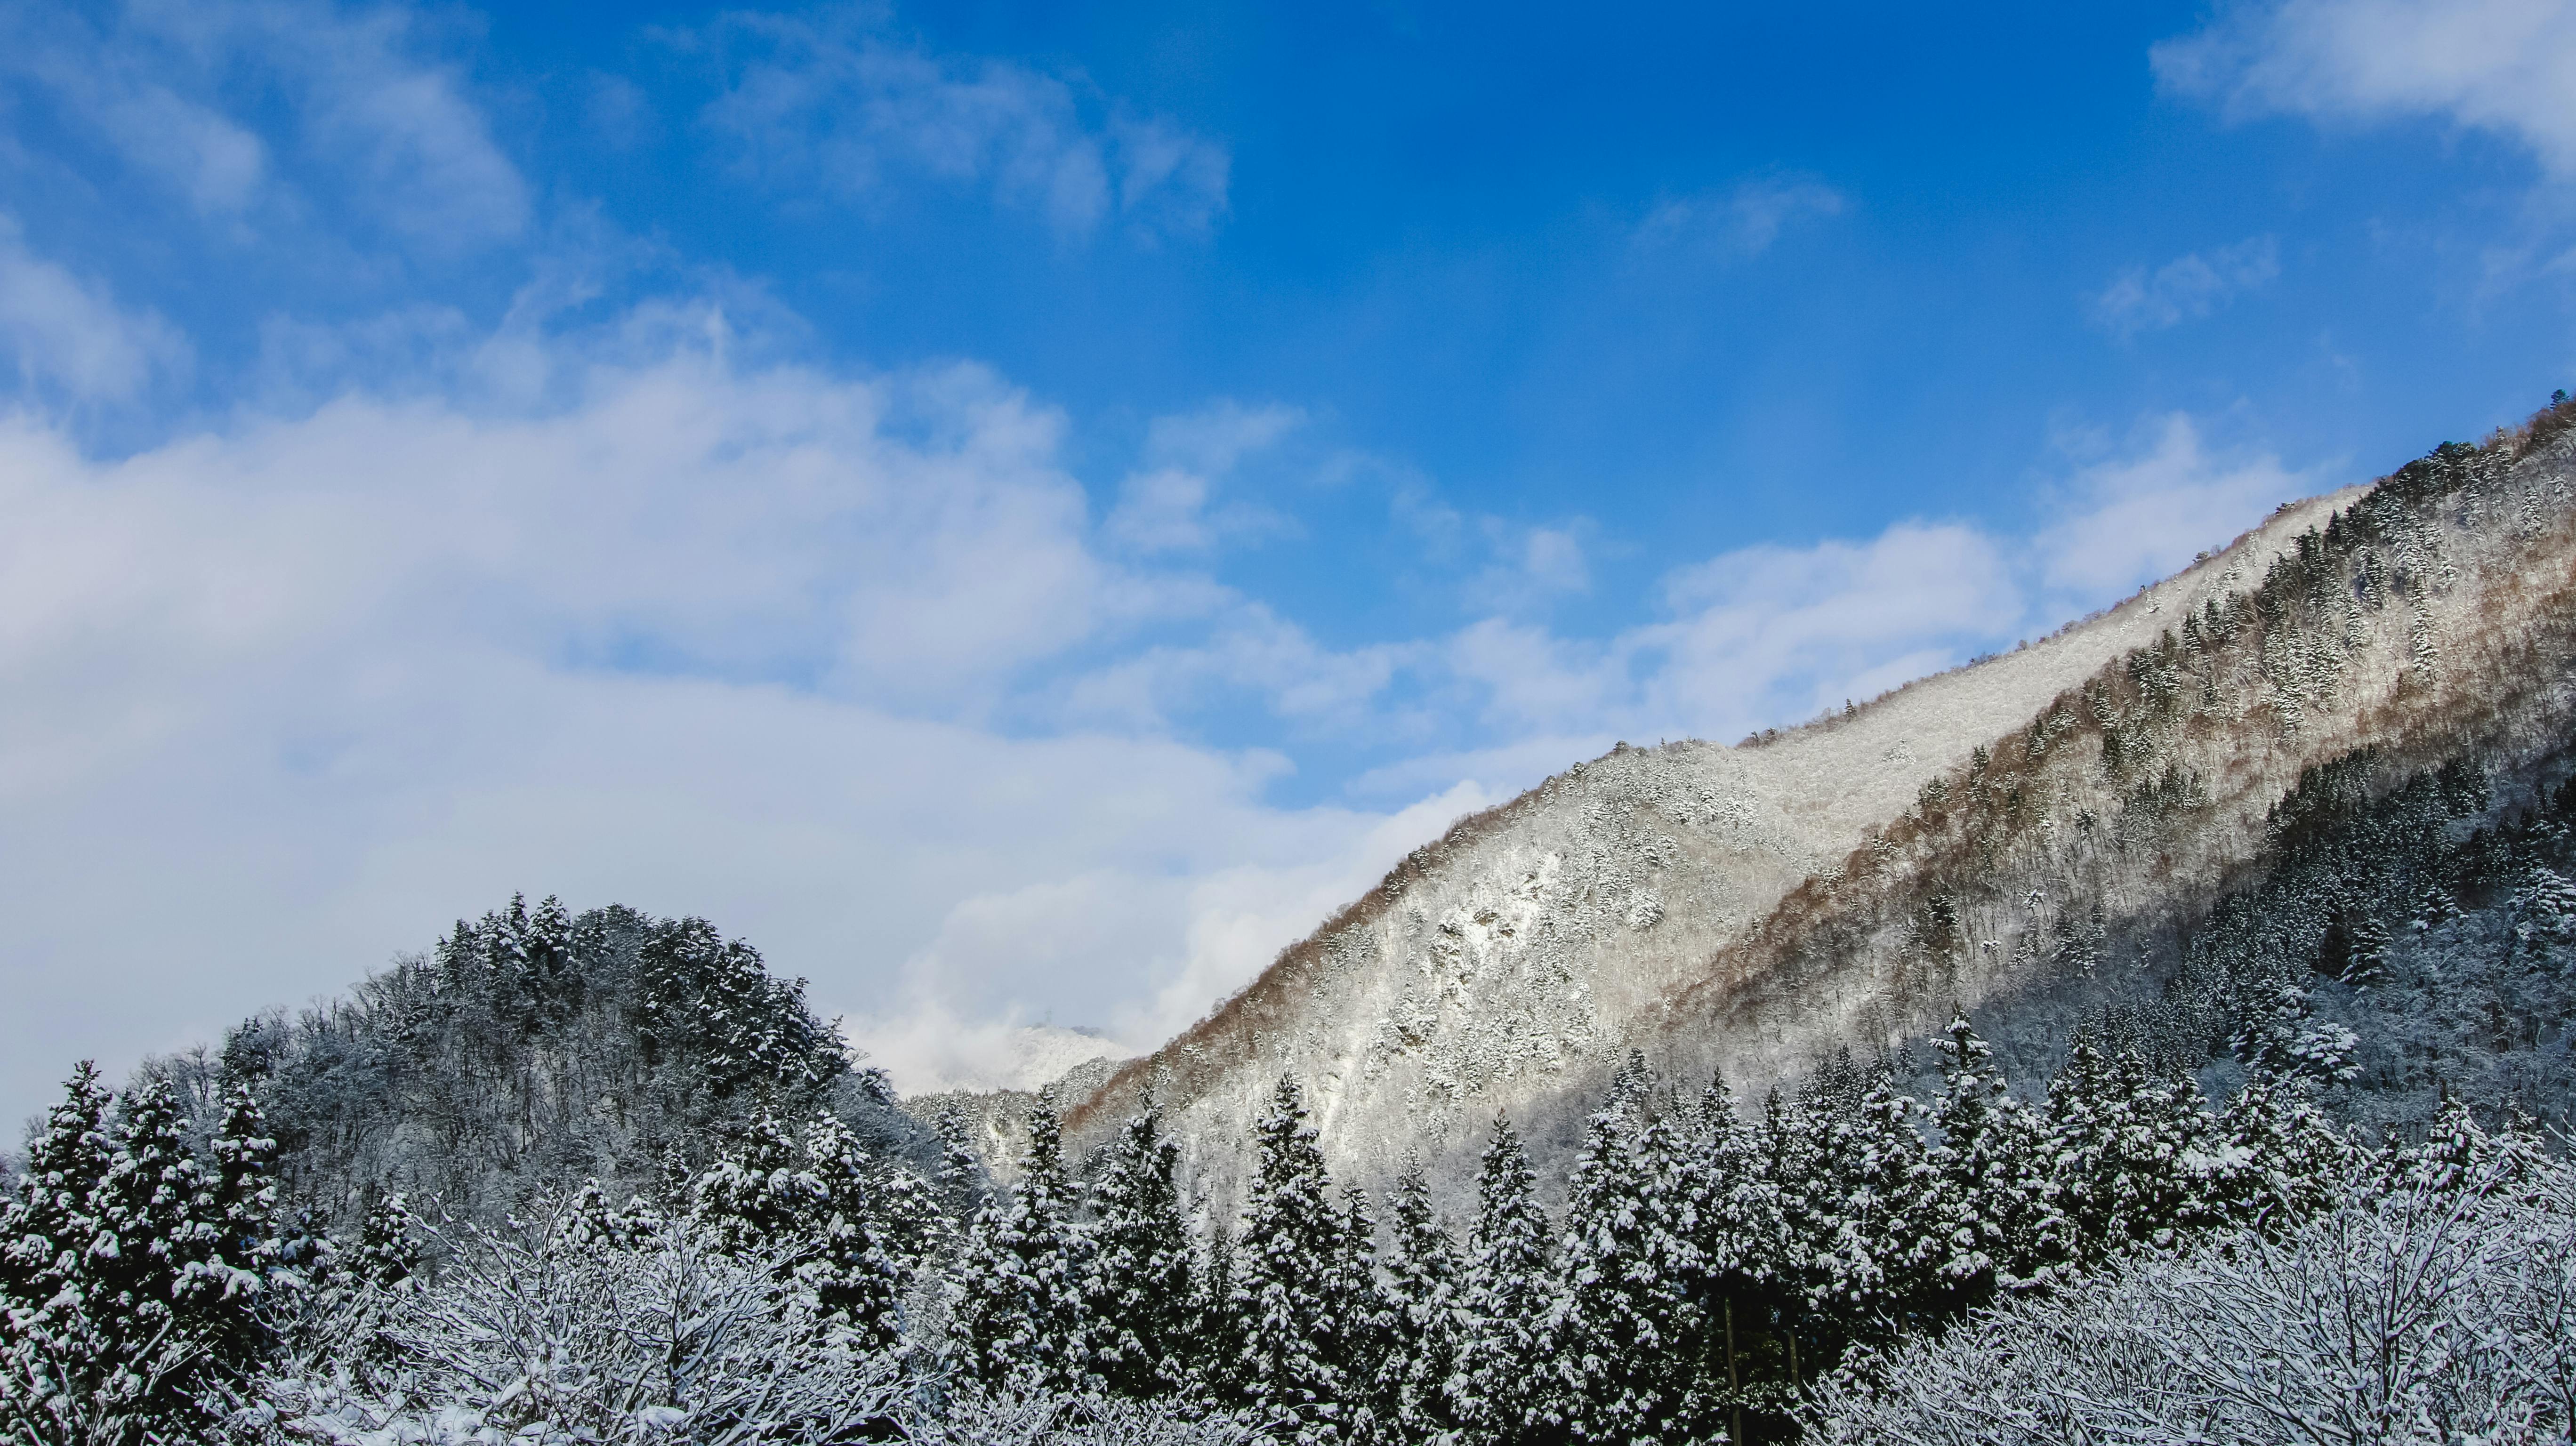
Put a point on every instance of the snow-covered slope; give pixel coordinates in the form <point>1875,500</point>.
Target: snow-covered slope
<point>1027,1059</point>
<point>1745,908</point>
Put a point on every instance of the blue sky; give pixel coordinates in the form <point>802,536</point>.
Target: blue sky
<point>1021,509</point>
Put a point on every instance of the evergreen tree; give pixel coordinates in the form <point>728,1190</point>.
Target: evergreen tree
<point>1290,1274</point>
<point>2281,1159</point>
<point>151,1244</point>
<point>2127,1146</point>
<point>389,1250</point>
<point>1996,1222</point>
<point>758,1196</point>
<point>1630,1338</point>
<point>129,1297</point>
<point>1143,1289</point>
<point>1506,1299</point>
<point>854,1276</point>
<point>1792,1165</point>
<point>1024,1278</point>
<point>2456,1153</point>
<point>1421,1302</point>
<point>1741,1233</point>
<point>812,1205</point>
<point>55,1360</point>
<point>239,1212</point>
<point>47,1228</point>
<point>913,1225</point>
<point>1216,1332</point>
<point>1366,1329</point>
<point>1871,1203</point>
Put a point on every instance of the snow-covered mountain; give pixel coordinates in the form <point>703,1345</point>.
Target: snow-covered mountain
<point>1026,1058</point>
<point>2037,828</point>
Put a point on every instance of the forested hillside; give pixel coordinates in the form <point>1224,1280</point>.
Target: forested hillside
<point>2165,814</point>
<point>536,1048</point>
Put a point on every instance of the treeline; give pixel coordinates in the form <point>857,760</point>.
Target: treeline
<point>1706,1271</point>
<point>185,1261</point>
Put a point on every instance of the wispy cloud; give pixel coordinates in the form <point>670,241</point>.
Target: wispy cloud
<point>382,125</point>
<point>1774,633</point>
<point>2505,66</point>
<point>69,336</point>
<point>826,102</point>
<point>2186,288</point>
<point>1170,503</point>
<point>1741,221</point>
<point>2140,514</point>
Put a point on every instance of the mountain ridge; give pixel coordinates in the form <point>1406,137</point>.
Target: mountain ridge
<point>1701,903</point>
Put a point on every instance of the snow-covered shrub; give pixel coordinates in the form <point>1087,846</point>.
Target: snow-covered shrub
<point>1089,1419</point>
<point>553,1330</point>
<point>2424,1313</point>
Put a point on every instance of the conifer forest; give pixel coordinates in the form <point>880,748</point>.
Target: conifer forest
<point>2301,1177</point>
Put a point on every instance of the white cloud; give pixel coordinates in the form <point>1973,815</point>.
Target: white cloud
<point>2505,66</point>
<point>2186,288</point>
<point>2130,520</point>
<point>1204,936</point>
<point>845,664</point>
<point>218,164</point>
<point>69,336</point>
<point>1771,634</point>
<point>1532,566</point>
<point>1741,221</point>
<point>1249,650</point>
<point>820,102</point>
<point>1164,506</point>
<point>393,130</point>
<point>286,696</point>
<point>1168,179</point>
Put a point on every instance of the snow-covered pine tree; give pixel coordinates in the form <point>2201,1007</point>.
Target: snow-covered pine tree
<point>855,1278</point>
<point>2457,1154</point>
<point>1507,1296</point>
<point>151,1243</point>
<point>915,1228</point>
<point>389,1250</point>
<point>1996,1223</point>
<point>1631,1334</point>
<point>48,1226</point>
<point>1020,1322</point>
<point>758,1196</point>
<point>1871,1199</point>
<point>145,1312</point>
<point>1422,1283</point>
<point>1367,1325</point>
<point>2127,1146</point>
<point>1143,1290</point>
<point>53,1356</point>
<point>810,1204</point>
<point>1289,1274</point>
<point>2281,1159</point>
<point>1736,1206</point>
<point>1791,1164</point>
<point>1216,1334</point>
<point>239,1210</point>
